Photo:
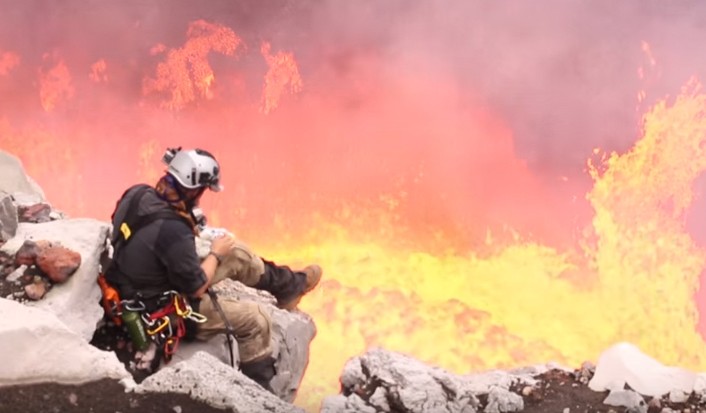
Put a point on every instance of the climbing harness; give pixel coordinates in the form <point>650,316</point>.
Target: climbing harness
<point>166,326</point>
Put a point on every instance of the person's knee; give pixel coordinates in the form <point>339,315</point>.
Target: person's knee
<point>242,265</point>
<point>254,332</point>
<point>257,321</point>
<point>246,317</point>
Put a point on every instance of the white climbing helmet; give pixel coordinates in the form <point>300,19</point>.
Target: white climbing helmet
<point>194,168</point>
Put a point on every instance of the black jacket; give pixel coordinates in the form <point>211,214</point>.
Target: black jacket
<point>159,257</point>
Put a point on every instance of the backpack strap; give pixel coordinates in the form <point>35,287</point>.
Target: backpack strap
<point>132,222</point>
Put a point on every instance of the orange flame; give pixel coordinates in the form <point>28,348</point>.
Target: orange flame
<point>8,61</point>
<point>186,74</point>
<point>55,82</point>
<point>282,76</point>
<point>429,231</point>
<point>98,71</point>
<point>634,280</point>
<point>648,73</point>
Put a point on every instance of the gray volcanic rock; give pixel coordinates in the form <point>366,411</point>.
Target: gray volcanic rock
<point>8,216</point>
<point>205,378</point>
<point>384,381</point>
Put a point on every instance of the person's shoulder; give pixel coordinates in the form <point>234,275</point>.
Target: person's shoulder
<point>140,187</point>
<point>133,190</point>
<point>176,227</point>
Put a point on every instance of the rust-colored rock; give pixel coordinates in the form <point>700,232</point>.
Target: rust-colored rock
<point>36,213</point>
<point>27,254</point>
<point>36,290</point>
<point>58,262</point>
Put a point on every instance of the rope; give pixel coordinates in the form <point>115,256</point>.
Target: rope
<point>230,334</point>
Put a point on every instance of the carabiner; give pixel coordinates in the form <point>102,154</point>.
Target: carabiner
<point>132,305</point>
<point>165,323</point>
<point>181,312</point>
<point>197,317</point>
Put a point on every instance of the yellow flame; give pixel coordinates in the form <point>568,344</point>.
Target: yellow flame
<point>642,249</point>
<point>633,280</point>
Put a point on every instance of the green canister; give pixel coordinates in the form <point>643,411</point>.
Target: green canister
<point>136,329</point>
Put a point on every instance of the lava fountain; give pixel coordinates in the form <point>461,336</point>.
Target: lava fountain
<point>439,235</point>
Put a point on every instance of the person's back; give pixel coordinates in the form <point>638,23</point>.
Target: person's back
<point>160,256</point>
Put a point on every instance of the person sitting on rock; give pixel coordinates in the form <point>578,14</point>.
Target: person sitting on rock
<point>154,230</point>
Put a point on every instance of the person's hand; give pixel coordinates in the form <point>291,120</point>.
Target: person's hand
<point>222,245</point>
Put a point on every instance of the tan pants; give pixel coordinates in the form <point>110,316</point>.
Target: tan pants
<point>240,265</point>
<point>251,323</point>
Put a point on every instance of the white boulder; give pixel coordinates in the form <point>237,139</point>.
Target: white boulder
<point>36,346</point>
<point>624,364</point>
<point>75,302</point>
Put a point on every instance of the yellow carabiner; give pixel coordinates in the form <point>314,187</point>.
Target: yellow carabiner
<point>186,311</point>
<point>162,326</point>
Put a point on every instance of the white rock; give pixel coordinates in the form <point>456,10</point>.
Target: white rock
<point>217,347</point>
<point>75,302</point>
<point>411,386</point>
<point>8,216</point>
<point>15,275</point>
<point>207,379</point>
<point>484,382</point>
<point>700,383</point>
<point>628,399</point>
<point>624,364</point>
<point>35,347</point>
<point>501,400</point>
<point>678,396</point>
<point>14,179</point>
<point>350,404</point>
<point>27,199</point>
<point>292,332</point>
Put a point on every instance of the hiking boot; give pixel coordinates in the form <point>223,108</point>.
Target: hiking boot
<point>312,274</point>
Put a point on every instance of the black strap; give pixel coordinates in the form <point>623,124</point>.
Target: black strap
<point>230,334</point>
<point>136,222</point>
